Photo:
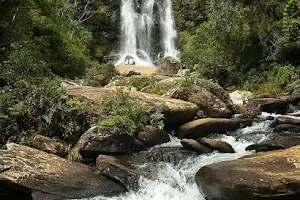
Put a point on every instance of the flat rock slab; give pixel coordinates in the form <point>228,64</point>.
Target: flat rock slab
<point>176,111</point>
<point>35,172</point>
<point>262,176</point>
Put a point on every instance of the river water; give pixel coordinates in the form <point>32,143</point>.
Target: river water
<point>176,181</point>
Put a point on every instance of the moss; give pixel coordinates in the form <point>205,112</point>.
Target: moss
<point>73,154</point>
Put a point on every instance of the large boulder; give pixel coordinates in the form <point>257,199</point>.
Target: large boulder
<point>217,145</point>
<point>48,145</point>
<point>176,112</point>
<point>203,127</point>
<point>276,105</point>
<point>288,120</point>
<point>275,144</point>
<point>287,128</point>
<point>118,169</point>
<point>99,140</point>
<point>193,145</point>
<point>240,98</point>
<point>169,66</point>
<point>210,104</point>
<point>30,172</point>
<point>152,136</point>
<point>262,176</point>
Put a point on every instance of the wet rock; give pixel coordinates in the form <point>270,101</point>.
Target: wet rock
<point>288,120</point>
<point>218,145</point>
<point>176,112</point>
<point>275,105</point>
<point>275,144</point>
<point>202,127</point>
<point>262,176</point>
<point>98,140</point>
<point>164,154</point>
<point>119,170</point>
<point>152,136</point>
<point>33,172</point>
<point>193,145</point>
<point>48,145</point>
<point>287,128</point>
<point>210,104</point>
<point>270,118</point>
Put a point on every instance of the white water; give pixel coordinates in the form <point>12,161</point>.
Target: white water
<point>136,30</point>
<point>176,182</point>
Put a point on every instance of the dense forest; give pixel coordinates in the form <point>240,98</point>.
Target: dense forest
<point>254,45</point>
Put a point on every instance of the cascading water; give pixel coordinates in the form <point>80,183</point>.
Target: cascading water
<point>168,31</point>
<point>175,181</point>
<point>137,26</point>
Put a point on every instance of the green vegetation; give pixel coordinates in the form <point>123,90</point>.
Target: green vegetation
<point>99,75</point>
<point>124,116</point>
<point>253,45</point>
<point>73,154</point>
<point>249,44</point>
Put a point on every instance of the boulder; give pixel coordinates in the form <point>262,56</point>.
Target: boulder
<point>287,128</point>
<point>210,104</point>
<point>133,73</point>
<point>152,136</point>
<point>98,140</point>
<point>275,105</point>
<point>173,155</point>
<point>203,127</point>
<point>31,172</point>
<point>275,144</point>
<point>119,170</point>
<point>262,176</point>
<point>288,120</point>
<point>218,145</point>
<point>49,145</point>
<point>240,97</point>
<point>193,145</point>
<point>124,70</point>
<point>176,112</point>
<point>169,66</point>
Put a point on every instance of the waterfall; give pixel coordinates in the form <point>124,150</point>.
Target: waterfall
<point>137,24</point>
<point>167,25</point>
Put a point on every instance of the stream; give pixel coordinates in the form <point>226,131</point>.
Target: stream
<point>176,181</point>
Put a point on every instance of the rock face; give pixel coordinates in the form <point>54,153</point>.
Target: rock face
<point>31,172</point>
<point>48,145</point>
<point>202,127</point>
<point>210,104</point>
<point>152,136</point>
<point>98,140</point>
<point>193,145</point>
<point>262,176</point>
<point>118,169</point>
<point>169,66</point>
<point>218,145</point>
<point>176,112</point>
<point>241,97</point>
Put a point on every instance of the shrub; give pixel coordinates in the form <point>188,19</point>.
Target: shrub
<point>99,75</point>
<point>32,101</point>
<point>124,116</point>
